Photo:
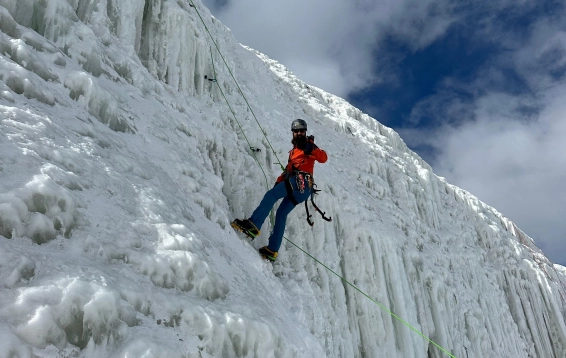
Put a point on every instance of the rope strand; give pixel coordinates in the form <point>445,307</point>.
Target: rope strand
<point>271,215</point>
<point>238,86</point>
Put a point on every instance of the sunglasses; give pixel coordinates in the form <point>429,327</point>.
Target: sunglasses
<point>299,130</point>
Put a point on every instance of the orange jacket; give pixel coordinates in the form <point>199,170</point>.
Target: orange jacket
<point>304,163</point>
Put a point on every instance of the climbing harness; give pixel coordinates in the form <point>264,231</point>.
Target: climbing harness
<point>304,179</point>
<point>300,178</point>
<point>288,186</point>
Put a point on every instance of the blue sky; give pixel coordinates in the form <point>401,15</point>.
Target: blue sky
<point>476,88</point>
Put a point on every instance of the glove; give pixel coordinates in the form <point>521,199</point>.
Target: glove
<point>309,147</point>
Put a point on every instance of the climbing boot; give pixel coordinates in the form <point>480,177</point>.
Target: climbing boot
<point>247,227</point>
<point>267,254</point>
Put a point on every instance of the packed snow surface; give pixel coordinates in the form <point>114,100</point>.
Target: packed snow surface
<point>122,165</point>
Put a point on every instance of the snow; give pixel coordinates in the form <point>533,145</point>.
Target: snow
<point>121,168</point>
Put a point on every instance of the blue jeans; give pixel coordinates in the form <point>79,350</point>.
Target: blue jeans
<point>269,199</point>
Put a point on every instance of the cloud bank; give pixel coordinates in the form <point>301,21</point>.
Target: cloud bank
<point>503,140</point>
<point>331,45</point>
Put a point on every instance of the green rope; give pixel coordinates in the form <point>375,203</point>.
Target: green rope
<point>374,301</point>
<point>242,130</point>
<point>271,215</point>
<point>238,86</point>
<point>265,175</point>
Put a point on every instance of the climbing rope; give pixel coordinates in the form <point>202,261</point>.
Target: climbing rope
<point>271,216</point>
<point>283,168</point>
<point>374,301</point>
<point>237,85</point>
<point>237,121</point>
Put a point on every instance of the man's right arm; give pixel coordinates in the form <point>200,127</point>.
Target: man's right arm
<point>320,155</point>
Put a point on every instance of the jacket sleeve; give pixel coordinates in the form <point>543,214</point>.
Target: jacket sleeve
<point>319,155</point>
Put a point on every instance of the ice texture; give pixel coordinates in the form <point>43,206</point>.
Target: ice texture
<point>121,168</point>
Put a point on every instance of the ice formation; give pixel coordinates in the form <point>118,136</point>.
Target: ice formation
<point>121,166</point>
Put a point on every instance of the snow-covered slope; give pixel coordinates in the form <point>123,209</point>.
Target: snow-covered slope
<point>121,167</point>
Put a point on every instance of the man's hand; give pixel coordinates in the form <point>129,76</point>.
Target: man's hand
<point>310,145</point>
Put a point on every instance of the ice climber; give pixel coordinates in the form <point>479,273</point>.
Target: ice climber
<point>294,186</point>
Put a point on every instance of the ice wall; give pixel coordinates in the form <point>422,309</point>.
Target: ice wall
<point>121,167</point>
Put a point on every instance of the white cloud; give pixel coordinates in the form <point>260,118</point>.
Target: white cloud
<point>332,45</point>
<point>516,166</point>
<point>509,148</point>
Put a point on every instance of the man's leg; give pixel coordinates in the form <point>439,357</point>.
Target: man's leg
<point>281,216</point>
<point>276,237</point>
<point>269,199</point>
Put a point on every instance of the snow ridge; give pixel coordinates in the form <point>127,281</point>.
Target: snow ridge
<point>121,168</point>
